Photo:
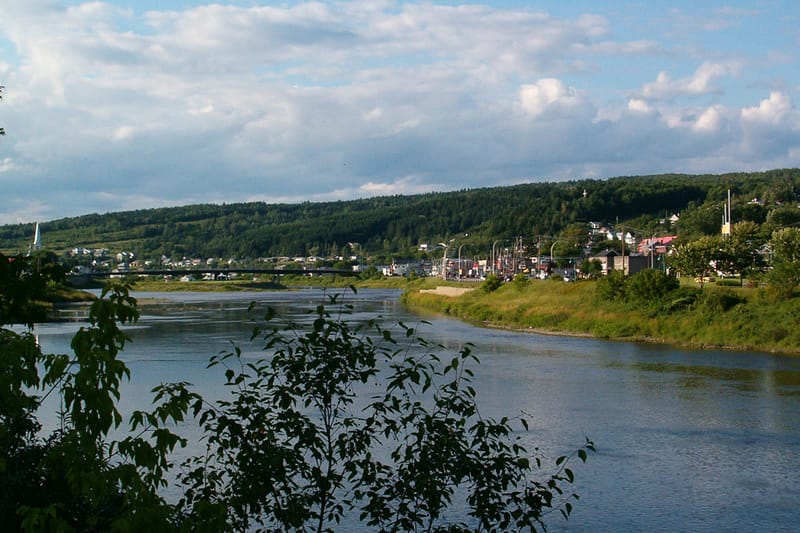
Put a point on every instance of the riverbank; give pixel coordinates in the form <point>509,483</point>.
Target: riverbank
<point>738,319</point>
<point>288,282</point>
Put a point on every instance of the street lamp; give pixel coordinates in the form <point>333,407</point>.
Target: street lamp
<point>494,262</point>
<point>652,251</point>
<point>444,258</point>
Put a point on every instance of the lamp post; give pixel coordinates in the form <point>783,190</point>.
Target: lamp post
<point>494,263</point>
<point>459,261</point>
<point>652,251</point>
<point>444,258</point>
<point>444,262</point>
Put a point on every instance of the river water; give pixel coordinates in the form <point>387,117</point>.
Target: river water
<point>686,440</point>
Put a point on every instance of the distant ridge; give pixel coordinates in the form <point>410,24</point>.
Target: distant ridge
<point>398,224</point>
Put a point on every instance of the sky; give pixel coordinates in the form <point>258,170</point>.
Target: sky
<point>122,104</point>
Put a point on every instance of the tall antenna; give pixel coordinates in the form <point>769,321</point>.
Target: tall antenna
<point>726,216</point>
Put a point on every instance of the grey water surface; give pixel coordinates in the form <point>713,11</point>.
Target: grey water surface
<point>687,440</point>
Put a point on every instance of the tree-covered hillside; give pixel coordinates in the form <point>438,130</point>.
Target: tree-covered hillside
<point>398,224</point>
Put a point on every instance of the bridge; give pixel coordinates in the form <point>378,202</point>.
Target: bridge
<point>216,272</point>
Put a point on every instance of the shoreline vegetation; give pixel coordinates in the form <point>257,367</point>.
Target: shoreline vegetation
<point>726,318</point>
<point>719,317</point>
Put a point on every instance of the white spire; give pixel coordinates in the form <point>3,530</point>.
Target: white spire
<point>37,239</point>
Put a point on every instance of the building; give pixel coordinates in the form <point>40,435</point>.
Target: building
<point>629,264</point>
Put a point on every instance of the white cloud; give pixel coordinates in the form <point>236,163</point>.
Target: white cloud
<point>771,110</point>
<point>224,102</point>
<point>405,185</point>
<point>122,133</point>
<point>548,94</point>
<point>6,164</point>
<point>702,82</point>
<point>709,120</point>
<point>639,105</point>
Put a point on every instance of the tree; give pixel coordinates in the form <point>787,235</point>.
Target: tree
<point>649,287</point>
<point>700,220</point>
<point>23,289</point>
<point>785,274</point>
<point>741,251</point>
<point>77,478</point>
<point>573,240</point>
<point>591,268</point>
<point>783,216</point>
<point>322,439</point>
<point>694,258</point>
<point>491,283</point>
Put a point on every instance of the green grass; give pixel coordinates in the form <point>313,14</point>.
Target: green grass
<point>724,317</point>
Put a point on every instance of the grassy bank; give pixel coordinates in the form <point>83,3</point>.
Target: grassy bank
<point>743,319</point>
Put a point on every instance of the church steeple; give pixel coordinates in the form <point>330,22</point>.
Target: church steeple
<point>37,239</point>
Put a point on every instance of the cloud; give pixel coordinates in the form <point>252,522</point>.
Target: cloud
<point>709,120</point>
<point>109,108</point>
<point>637,105</point>
<point>702,82</point>
<point>548,94</point>
<point>6,164</point>
<point>771,110</point>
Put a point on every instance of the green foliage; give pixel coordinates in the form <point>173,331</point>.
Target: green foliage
<point>395,226</point>
<point>784,216</point>
<point>680,299</point>
<point>491,283</point>
<point>785,275</point>
<point>649,287</point>
<point>612,287</point>
<point>694,258</point>
<point>700,220</point>
<point>572,240</point>
<point>739,253</point>
<point>77,478</point>
<point>322,439</point>
<point>520,282</point>
<point>591,268</point>
<point>751,322</point>
<point>370,273</point>
<point>718,301</point>
<point>24,284</point>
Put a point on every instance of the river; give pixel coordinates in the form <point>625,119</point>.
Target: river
<point>686,440</point>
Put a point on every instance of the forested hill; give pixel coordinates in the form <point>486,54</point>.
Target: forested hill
<point>398,224</point>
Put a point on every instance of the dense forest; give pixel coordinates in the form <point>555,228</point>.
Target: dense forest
<point>397,225</point>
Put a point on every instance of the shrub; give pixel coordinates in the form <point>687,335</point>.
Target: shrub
<point>649,287</point>
<point>520,282</point>
<point>681,298</point>
<point>719,301</point>
<point>612,286</point>
<point>491,283</point>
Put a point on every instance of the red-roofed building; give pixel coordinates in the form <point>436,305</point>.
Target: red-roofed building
<point>658,245</point>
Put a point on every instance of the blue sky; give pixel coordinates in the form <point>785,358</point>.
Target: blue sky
<point>117,105</point>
